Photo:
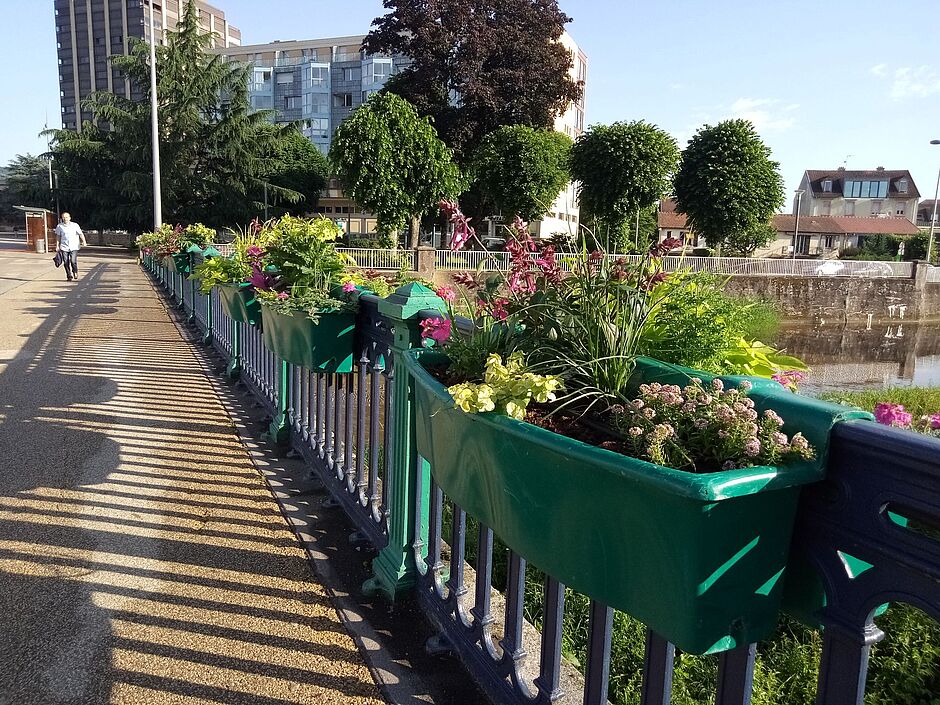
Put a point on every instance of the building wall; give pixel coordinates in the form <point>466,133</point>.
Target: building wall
<point>88,32</point>
<point>859,207</point>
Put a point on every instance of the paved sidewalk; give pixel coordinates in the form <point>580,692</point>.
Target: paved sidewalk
<point>142,558</point>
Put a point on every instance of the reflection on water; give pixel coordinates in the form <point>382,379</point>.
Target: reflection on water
<point>855,357</point>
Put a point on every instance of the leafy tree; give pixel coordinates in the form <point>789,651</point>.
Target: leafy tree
<point>501,57</point>
<point>623,168</point>
<point>743,244</point>
<point>727,184</point>
<point>215,153</point>
<point>26,183</point>
<point>391,162</point>
<point>521,170</point>
<point>293,165</point>
<point>622,235</point>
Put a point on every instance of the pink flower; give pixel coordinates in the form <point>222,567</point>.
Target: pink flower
<point>349,287</point>
<point>893,415</point>
<point>462,230</point>
<point>549,265</point>
<point>447,293</point>
<point>934,420</point>
<point>666,246</point>
<point>789,379</point>
<point>436,329</point>
<point>465,279</point>
<point>260,279</point>
<point>499,311</point>
<point>283,295</point>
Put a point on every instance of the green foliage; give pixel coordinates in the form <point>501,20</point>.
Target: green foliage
<point>880,247</point>
<point>247,249</point>
<point>697,325</point>
<point>313,302</point>
<point>292,164</point>
<point>727,183</point>
<point>623,168</point>
<point>25,183</point>
<point>502,57</point>
<point>918,401</point>
<point>521,170</point>
<point>196,234</point>
<point>744,242</point>
<point>392,163</point>
<point>507,388</point>
<point>303,255</point>
<point>215,153</point>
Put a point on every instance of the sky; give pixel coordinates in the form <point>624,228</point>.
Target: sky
<point>826,84</point>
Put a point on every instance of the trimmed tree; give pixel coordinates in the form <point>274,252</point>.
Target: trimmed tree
<point>391,162</point>
<point>727,184</point>
<point>293,165</point>
<point>502,57</point>
<point>623,169</point>
<point>521,171</point>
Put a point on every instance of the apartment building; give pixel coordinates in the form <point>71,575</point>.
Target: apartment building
<point>861,194</point>
<point>88,32</point>
<point>320,82</point>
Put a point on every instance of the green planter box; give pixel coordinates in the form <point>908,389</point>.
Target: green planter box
<point>698,558</point>
<point>179,262</point>
<point>324,346</point>
<point>240,303</point>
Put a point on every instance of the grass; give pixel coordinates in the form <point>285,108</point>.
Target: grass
<point>916,400</point>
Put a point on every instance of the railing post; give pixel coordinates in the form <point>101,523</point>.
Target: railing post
<point>234,369</point>
<point>394,570</point>
<point>279,430</point>
<point>208,253</point>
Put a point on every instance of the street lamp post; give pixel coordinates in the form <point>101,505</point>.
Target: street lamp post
<point>933,219</point>
<point>796,228</point>
<point>155,126</point>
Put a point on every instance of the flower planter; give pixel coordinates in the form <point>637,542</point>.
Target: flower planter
<point>699,558</point>
<point>240,303</point>
<point>178,262</point>
<point>322,346</point>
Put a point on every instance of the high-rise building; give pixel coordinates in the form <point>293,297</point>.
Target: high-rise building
<point>88,32</point>
<point>319,82</point>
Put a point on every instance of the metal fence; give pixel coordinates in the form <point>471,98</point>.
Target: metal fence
<point>367,258</point>
<point>354,432</point>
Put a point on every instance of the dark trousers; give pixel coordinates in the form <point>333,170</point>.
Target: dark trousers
<point>70,263</point>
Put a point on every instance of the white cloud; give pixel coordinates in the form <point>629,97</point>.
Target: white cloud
<point>909,81</point>
<point>764,113</point>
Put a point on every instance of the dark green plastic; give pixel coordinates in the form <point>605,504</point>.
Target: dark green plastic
<point>178,262</point>
<point>697,557</point>
<point>322,346</point>
<point>240,303</point>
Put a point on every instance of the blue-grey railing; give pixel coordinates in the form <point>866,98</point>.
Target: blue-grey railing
<point>343,426</point>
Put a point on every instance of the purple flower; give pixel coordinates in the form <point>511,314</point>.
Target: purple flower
<point>893,415</point>
<point>349,287</point>
<point>436,329</point>
<point>261,280</point>
<point>752,447</point>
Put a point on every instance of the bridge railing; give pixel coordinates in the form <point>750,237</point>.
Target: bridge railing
<point>879,506</point>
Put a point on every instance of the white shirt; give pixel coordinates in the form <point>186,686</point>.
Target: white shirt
<point>70,236</point>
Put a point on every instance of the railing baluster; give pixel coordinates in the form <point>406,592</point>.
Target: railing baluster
<point>549,679</point>
<point>349,455</point>
<point>736,676</point>
<point>374,439</point>
<point>597,675</point>
<point>362,481</point>
<point>321,412</point>
<point>435,526</point>
<point>458,545</point>
<point>843,666</point>
<point>513,650</point>
<point>329,409</point>
<point>339,425</point>
<point>657,670</point>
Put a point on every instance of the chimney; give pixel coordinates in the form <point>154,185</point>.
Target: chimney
<point>841,168</point>
<point>881,168</point>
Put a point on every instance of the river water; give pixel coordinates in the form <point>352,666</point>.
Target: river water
<point>860,357</point>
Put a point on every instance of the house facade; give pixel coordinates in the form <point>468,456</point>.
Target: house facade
<point>860,194</point>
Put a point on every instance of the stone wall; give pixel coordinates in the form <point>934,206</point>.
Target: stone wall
<point>843,298</point>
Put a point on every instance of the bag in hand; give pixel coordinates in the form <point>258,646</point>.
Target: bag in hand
<point>57,260</point>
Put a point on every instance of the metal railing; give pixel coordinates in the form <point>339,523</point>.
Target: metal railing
<point>354,432</point>
<point>367,258</point>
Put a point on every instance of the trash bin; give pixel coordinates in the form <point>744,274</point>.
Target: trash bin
<point>41,246</point>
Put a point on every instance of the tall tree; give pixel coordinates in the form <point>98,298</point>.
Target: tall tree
<point>478,64</point>
<point>520,170</point>
<point>215,153</point>
<point>391,162</point>
<point>293,165</point>
<point>623,169</point>
<point>25,183</point>
<point>727,185</point>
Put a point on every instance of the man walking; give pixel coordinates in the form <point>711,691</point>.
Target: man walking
<point>69,240</point>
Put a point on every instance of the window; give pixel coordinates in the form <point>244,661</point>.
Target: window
<point>876,207</point>
<point>353,73</point>
<point>262,102</point>
<point>319,124</point>
<point>285,78</point>
<point>865,189</point>
<point>292,102</point>
<point>900,210</point>
<point>367,94</point>
<point>342,100</point>
<point>377,72</point>
<point>850,207</point>
<point>827,186</point>
<point>316,103</point>
<point>902,185</point>
<point>829,242</point>
<point>316,76</point>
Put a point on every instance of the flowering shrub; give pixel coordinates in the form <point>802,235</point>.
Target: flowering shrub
<point>162,242</point>
<point>507,388</point>
<point>245,260</point>
<point>789,378</point>
<point>895,415</point>
<point>705,428</point>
